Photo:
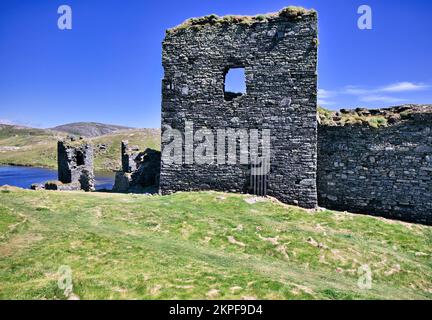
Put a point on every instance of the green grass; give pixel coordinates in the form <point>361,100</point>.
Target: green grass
<point>378,122</point>
<point>327,117</point>
<point>203,245</point>
<point>7,221</point>
<point>35,147</point>
<point>38,148</point>
<point>291,12</point>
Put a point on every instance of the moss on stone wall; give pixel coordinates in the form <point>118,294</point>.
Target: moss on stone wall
<point>291,12</point>
<point>372,117</point>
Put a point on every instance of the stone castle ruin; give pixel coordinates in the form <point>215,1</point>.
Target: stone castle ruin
<point>375,162</point>
<point>351,162</point>
<point>75,165</point>
<point>139,173</point>
<point>279,55</point>
<point>140,170</point>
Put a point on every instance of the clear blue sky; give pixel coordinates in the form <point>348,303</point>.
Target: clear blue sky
<point>108,67</point>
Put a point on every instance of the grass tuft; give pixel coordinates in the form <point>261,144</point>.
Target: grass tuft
<point>292,13</point>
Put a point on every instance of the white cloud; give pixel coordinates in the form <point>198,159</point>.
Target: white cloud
<point>383,94</point>
<point>404,86</point>
<point>324,102</point>
<point>391,88</point>
<point>381,98</point>
<point>323,94</point>
<point>355,90</point>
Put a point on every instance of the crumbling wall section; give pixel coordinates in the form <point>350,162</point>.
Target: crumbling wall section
<point>128,156</point>
<point>75,164</point>
<point>140,170</point>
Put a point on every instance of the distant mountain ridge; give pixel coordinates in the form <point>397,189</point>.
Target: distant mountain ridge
<point>89,129</point>
<point>11,130</point>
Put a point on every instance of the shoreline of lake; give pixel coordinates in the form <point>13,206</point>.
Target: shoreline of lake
<point>25,176</point>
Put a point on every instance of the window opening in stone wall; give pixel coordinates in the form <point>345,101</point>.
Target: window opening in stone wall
<point>235,83</point>
<point>79,158</point>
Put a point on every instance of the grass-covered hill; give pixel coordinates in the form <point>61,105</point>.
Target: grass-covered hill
<point>89,129</point>
<point>38,147</point>
<point>202,246</point>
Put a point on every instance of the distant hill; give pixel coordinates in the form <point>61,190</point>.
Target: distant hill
<point>38,147</point>
<point>89,129</point>
<point>7,130</point>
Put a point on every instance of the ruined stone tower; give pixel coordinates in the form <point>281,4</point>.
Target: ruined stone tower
<point>279,55</point>
<point>140,170</point>
<point>75,165</point>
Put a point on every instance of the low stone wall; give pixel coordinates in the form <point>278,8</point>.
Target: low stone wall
<point>384,171</point>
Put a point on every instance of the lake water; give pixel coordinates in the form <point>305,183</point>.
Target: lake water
<point>24,177</point>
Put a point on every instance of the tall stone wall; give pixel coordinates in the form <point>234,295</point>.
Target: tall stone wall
<point>128,156</point>
<point>384,171</point>
<point>279,55</point>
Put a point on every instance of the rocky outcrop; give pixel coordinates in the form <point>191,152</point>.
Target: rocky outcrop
<point>58,186</point>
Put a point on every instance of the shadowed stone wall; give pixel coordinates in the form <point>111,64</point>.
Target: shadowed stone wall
<point>140,170</point>
<point>75,165</point>
<point>279,55</point>
<point>384,171</point>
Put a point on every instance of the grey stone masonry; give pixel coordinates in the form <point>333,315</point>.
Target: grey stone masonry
<point>128,156</point>
<point>279,55</point>
<point>140,170</point>
<point>385,171</point>
<point>75,164</point>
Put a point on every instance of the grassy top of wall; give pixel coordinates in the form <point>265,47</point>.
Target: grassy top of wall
<point>291,13</point>
<point>372,117</point>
